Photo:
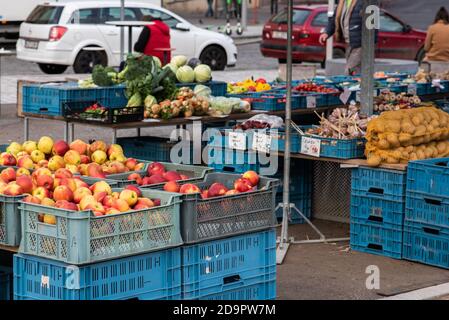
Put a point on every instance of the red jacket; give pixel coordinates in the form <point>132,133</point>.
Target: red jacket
<point>159,38</point>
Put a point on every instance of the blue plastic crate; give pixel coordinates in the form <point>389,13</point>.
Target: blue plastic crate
<point>429,177</point>
<point>333,99</point>
<point>431,89</point>
<point>5,283</point>
<point>301,181</point>
<point>231,160</point>
<point>218,88</point>
<point>370,237</point>
<point>216,267</point>
<point>339,148</point>
<point>302,202</point>
<point>152,276</point>
<point>154,148</point>
<point>426,244</point>
<point>443,104</point>
<point>428,209</point>
<point>381,183</point>
<point>261,291</point>
<point>48,98</point>
<point>377,210</point>
<point>274,101</point>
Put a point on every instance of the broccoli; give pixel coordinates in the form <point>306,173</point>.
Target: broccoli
<point>100,76</point>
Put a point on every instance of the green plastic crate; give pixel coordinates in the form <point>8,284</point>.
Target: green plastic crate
<point>78,237</point>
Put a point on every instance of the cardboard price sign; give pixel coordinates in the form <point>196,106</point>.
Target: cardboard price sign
<point>262,142</point>
<point>311,101</point>
<point>311,146</point>
<point>237,140</point>
<point>412,88</point>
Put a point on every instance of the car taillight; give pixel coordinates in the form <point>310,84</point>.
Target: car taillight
<point>56,33</point>
<point>267,35</point>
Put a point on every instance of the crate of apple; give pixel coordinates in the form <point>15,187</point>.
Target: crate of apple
<point>96,159</point>
<point>106,222</point>
<point>225,204</point>
<point>159,173</point>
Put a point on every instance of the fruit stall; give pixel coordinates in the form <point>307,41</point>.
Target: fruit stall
<point>98,206</point>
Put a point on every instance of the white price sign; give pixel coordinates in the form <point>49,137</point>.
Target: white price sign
<point>344,97</point>
<point>311,146</point>
<point>357,96</point>
<point>311,101</point>
<point>237,140</point>
<point>412,89</point>
<point>261,142</point>
<point>45,281</point>
<point>436,83</point>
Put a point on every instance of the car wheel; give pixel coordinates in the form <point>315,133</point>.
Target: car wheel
<point>52,68</point>
<point>86,60</point>
<point>420,56</point>
<point>215,57</point>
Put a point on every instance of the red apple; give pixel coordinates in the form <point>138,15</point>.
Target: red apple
<point>63,173</point>
<point>145,202</point>
<point>44,181</point>
<point>157,202</point>
<point>171,176</point>
<point>67,205</point>
<point>7,159</point>
<point>26,183</point>
<point>136,177</point>
<point>156,168</point>
<point>135,189</point>
<point>41,193</point>
<point>171,186</point>
<point>63,193</point>
<point>217,190</point>
<point>189,188</point>
<point>205,194</point>
<point>8,175</point>
<point>231,192</point>
<point>156,178</point>
<point>60,147</point>
<point>13,189</point>
<point>80,193</point>
<point>184,177</point>
<point>131,163</point>
<point>243,185</point>
<point>252,176</point>
<point>108,201</point>
<point>84,159</point>
<point>32,199</point>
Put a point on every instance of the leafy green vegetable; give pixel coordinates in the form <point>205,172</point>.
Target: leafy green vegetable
<point>100,76</point>
<point>135,100</point>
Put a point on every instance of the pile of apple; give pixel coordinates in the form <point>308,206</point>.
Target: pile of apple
<point>95,160</point>
<point>65,191</point>
<point>247,182</point>
<point>156,173</point>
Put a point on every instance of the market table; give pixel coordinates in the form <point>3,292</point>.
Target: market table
<point>180,122</point>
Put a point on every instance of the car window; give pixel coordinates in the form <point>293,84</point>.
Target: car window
<point>45,15</point>
<point>320,20</point>
<point>113,14</point>
<point>299,17</point>
<point>86,16</point>
<point>388,24</point>
<point>165,17</point>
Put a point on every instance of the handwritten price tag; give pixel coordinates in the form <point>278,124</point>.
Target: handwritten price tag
<point>261,142</point>
<point>237,140</point>
<point>45,281</point>
<point>357,96</point>
<point>436,83</point>
<point>311,146</point>
<point>311,101</point>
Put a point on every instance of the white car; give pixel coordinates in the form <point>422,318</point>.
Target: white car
<point>58,35</point>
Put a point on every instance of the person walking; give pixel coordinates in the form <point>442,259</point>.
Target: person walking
<point>346,25</point>
<point>274,7</point>
<point>153,38</point>
<point>437,39</point>
<point>210,10</point>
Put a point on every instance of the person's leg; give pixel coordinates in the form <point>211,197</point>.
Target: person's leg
<point>272,6</point>
<point>354,61</point>
<point>276,6</point>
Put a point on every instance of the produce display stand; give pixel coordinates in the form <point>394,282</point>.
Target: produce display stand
<point>69,125</point>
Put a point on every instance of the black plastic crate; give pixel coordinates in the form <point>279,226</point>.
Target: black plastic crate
<point>76,111</point>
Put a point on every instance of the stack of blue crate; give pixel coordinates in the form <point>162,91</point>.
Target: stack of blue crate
<point>377,211</point>
<point>426,227</point>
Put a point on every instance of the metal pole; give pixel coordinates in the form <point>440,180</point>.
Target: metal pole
<point>330,41</point>
<point>122,31</point>
<point>244,14</point>
<point>284,242</point>
<point>368,47</point>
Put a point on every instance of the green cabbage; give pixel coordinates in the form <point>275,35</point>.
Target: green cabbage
<point>179,61</point>
<point>203,73</point>
<point>185,74</point>
<point>158,61</point>
<point>202,91</point>
<point>135,100</point>
<point>149,101</point>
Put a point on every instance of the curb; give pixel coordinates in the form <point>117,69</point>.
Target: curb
<point>428,293</point>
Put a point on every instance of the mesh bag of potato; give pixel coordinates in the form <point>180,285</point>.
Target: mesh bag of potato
<point>410,134</point>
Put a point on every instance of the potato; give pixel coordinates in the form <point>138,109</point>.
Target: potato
<point>420,130</point>
<point>407,127</point>
<point>393,126</point>
<point>441,147</point>
<point>420,155</point>
<point>391,160</point>
<point>374,160</point>
<point>416,120</point>
<point>413,156</point>
<point>383,144</point>
<point>428,152</point>
<point>435,123</point>
<point>405,139</point>
<point>392,139</point>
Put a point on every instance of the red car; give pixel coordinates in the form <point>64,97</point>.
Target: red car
<point>396,39</point>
